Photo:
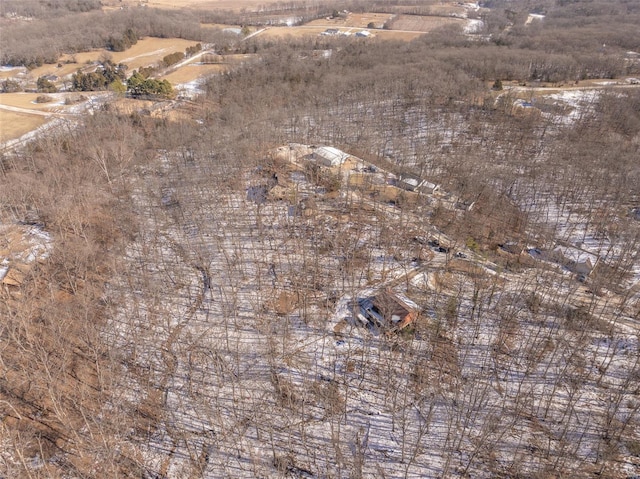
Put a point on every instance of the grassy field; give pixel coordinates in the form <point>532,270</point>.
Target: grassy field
<point>193,71</point>
<point>196,69</point>
<point>452,8</point>
<point>65,68</point>
<point>396,35</point>
<point>27,101</point>
<point>14,125</point>
<point>150,50</point>
<point>301,31</point>
<point>146,52</point>
<point>11,72</point>
<point>423,23</point>
<point>403,27</point>
<point>195,4</point>
<point>360,20</point>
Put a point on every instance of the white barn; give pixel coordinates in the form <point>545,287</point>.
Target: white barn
<point>329,156</point>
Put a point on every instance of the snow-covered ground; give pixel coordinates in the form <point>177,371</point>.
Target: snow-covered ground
<point>473,26</point>
<point>227,327</point>
<point>21,246</point>
<point>579,102</point>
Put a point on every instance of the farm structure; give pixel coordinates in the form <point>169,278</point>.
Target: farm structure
<point>329,156</point>
<point>410,182</point>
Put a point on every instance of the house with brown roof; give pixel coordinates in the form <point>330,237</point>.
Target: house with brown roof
<point>386,310</point>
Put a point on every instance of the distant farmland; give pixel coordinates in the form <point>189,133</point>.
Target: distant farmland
<point>421,23</point>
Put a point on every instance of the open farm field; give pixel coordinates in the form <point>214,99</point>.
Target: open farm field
<point>146,52</point>
<point>14,124</point>
<point>403,35</point>
<point>193,71</point>
<point>302,31</point>
<point>67,66</point>
<point>443,8</point>
<point>150,50</point>
<point>8,72</point>
<point>195,4</point>
<point>359,20</point>
<point>28,101</point>
<point>292,32</point>
<point>422,23</point>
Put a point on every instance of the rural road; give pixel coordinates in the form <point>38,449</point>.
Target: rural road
<point>190,59</point>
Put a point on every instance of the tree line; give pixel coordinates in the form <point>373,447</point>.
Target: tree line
<point>23,43</point>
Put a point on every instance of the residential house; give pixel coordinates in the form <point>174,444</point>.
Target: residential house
<point>386,310</point>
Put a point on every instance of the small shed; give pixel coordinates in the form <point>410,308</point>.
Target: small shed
<point>410,182</point>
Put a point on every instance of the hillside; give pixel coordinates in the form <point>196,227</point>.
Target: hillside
<point>329,255</point>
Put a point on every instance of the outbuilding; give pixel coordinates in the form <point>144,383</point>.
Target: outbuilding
<point>329,156</point>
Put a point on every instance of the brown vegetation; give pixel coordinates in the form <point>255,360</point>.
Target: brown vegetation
<point>181,327</point>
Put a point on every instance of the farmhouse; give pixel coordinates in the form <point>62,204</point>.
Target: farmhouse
<point>386,310</point>
<point>329,156</point>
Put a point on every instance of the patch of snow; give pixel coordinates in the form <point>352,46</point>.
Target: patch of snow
<point>4,268</point>
<point>532,17</point>
<point>523,103</point>
<point>580,101</point>
<point>473,26</point>
<point>576,255</point>
<point>9,68</point>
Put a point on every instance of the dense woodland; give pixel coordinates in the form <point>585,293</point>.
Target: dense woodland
<point>149,342</point>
